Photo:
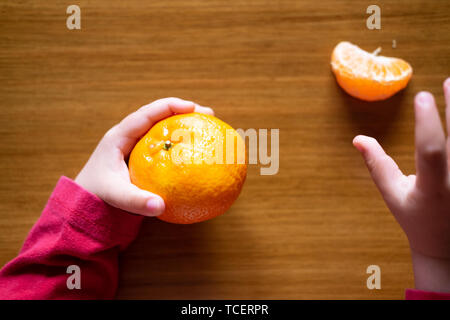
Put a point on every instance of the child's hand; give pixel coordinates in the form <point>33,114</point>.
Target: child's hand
<point>106,173</point>
<point>420,203</point>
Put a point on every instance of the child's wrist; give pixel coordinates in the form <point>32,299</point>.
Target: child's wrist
<point>431,273</point>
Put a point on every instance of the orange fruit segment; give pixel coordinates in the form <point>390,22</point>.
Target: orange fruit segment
<point>368,76</point>
<point>183,159</point>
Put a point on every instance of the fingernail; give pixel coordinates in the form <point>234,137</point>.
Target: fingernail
<point>447,83</point>
<point>356,145</point>
<point>209,110</point>
<point>155,206</point>
<point>188,103</point>
<point>423,97</point>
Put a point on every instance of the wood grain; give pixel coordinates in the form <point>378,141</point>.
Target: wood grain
<point>308,232</point>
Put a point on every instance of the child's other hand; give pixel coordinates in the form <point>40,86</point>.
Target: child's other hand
<point>106,173</point>
<point>421,202</point>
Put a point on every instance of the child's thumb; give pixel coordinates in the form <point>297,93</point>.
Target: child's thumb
<point>128,197</point>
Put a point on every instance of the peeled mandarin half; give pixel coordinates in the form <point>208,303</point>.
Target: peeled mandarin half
<point>368,76</point>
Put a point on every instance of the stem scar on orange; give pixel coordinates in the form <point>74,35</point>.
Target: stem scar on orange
<point>368,76</point>
<point>185,159</point>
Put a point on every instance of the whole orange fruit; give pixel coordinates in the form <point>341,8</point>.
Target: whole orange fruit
<point>195,162</point>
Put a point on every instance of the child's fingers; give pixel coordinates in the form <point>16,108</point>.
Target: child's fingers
<point>431,155</point>
<point>135,125</point>
<point>128,197</point>
<point>138,123</point>
<point>385,172</point>
<point>205,110</point>
<point>447,103</point>
<point>447,115</point>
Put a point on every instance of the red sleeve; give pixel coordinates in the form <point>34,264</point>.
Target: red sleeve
<point>414,294</point>
<point>75,228</point>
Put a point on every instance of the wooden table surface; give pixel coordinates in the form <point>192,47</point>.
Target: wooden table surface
<point>308,232</point>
